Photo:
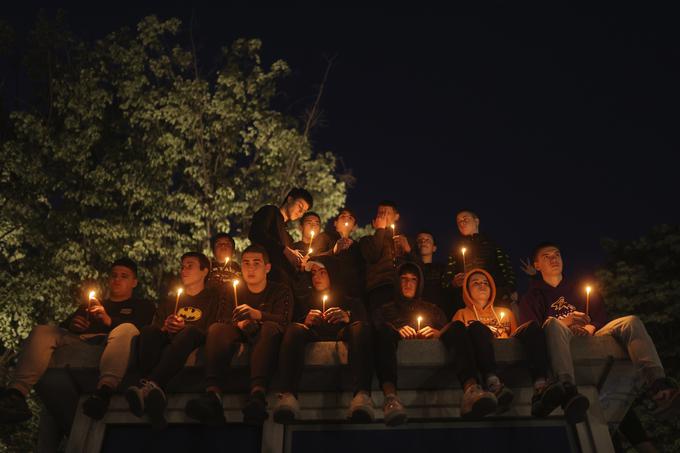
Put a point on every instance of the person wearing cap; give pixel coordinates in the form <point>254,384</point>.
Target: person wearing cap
<point>113,321</point>
<point>485,322</point>
<point>409,317</point>
<point>327,315</point>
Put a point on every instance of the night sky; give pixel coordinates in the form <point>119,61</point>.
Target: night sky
<point>562,128</point>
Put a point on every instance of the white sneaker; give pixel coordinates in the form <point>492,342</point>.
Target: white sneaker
<point>287,408</point>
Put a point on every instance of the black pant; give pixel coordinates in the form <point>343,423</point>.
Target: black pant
<point>358,338</point>
<point>454,337</point>
<point>529,334</point>
<point>162,356</point>
<point>224,340</point>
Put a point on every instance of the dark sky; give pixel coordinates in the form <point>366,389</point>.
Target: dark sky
<point>563,128</point>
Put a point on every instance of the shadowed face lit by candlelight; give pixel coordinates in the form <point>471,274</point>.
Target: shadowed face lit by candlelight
<point>409,285</point>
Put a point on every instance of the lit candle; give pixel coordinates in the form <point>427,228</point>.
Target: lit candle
<point>235,283</point>
<point>588,289</point>
<point>179,293</point>
<point>90,297</point>
<point>420,319</point>
<point>463,250</point>
<point>323,303</point>
<point>311,240</point>
<point>393,229</point>
<point>226,263</point>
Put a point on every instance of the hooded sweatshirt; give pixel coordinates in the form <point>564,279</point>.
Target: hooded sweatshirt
<point>542,301</point>
<point>268,229</point>
<point>402,311</point>
<point>500,321</point>
<point>378,251</point>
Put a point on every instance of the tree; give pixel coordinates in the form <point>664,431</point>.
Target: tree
<point>130,150</point>
<point>642,277</point>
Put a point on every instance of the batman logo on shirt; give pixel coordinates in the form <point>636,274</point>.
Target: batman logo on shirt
<point>190,314</point>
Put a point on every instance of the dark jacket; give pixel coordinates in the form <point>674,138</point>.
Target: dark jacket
<point>268,229</point>
<point>352,266</point>
<point>378,252</point>
<point>401,311</point>
<point>542,301</point>
<point>275,302</point>
<point>136,311</point>
<point>483,253</point>
<point>436,291</point>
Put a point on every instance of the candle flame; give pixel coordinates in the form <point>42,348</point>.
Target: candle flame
<point>226,261</point>
<point>235,283</point>
<point>346,224</point>
<point>180,291</point>
<point>92,294</point>
<point>325,298</point>
<point>463,250</point>
<point>309,252</point>
<point>588,289</point>
<point>420,319</point>
<point>392,226</point>
<point>502,315</point>
<point>312,233</point>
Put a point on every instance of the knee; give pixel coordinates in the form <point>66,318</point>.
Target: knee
<point>359,330</point>
<point>44,331</point>
<point>476,328</point>
<point>125,330</point>
<point>553,325</point>
<point>270,329</point>
<point>632,323</point>
<point>294,331</point>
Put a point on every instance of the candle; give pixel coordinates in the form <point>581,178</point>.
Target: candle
<point>89,302</point>
<point>463,250</point>
<point>179,293</point>
<point>323,303</point>
<point>235,283</point>
<point>226,263</point>
<point>311,240</point>
<point>420,319</point>
<point>393,229</point>
<point>588,289</point>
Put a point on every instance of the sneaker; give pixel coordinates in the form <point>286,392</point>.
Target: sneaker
<point>97,404</point>
<point>207,409</point>
<point>666,396</point>
<point>13,407</point>
<point>546,399</point>
<point>148,398</point>
<point>155,404</point>
<point>361,408</point>
<point>394,411</point>
<point>255,410</point>
<point>477,403</point>
<point>287,408</point>
<point>574,404</point>
<point>504,397</point>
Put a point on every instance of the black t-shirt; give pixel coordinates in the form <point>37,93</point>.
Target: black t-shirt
<point>199,310</point>
<point>136,311</point>
<point>275,302</point>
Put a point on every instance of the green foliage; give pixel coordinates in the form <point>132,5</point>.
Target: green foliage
<point>129,150</point>
<point>642,277</point>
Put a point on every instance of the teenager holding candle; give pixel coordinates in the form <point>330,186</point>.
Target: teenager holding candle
<point>113,322</point>
<point>480,252</point>
<point>223,268</point>
<point>433,274</point>
<point>165,345</point>
<point>485,322</point>
<point>264,309</point>
<point>398,320</point>
<point>560,306</point>
<point>268,228</point>
<point>310,229</point>
<point>344,319</point>
<point>381,251</point>
<point>348,254</point>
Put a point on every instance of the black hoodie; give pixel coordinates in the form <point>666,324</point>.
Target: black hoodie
<point>378,251</point>
<point>401,311</point>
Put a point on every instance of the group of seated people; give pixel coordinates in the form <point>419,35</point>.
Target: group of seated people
<point>370,293</point>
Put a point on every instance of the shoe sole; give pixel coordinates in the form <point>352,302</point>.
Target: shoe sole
<point>361,415</point>
<point>136,405</point>
<point>155,408</point>
<point>575,409</point>
<point>210,418</point>
<point>481,408</point>
<point>550,401</point>
<point>284,416</point>
<point>396,419</point>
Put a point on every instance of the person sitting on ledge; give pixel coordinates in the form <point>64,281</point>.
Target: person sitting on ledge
<point>224,268</point>
<point>113,322</point>
<point>257,315</point>
<point>560,307</point>
<point>179,327</point>
<point>409,317</point>
<point>484,323</point>
<point>335,318</point>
